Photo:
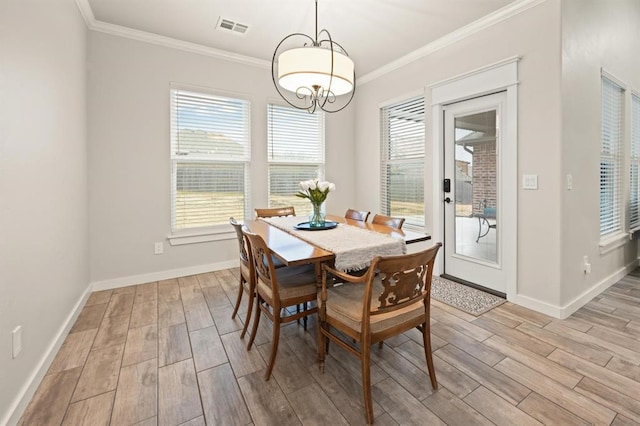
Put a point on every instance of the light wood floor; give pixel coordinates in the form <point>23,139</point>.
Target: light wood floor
<point>168,353</point>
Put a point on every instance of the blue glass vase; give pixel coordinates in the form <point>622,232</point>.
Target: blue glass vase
<point>316,219</point>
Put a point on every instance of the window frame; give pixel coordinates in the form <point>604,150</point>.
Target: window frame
<point>618,235</point>
<point>319,162</point>
<point>220,231</point>
<point>634,160</point>
<point>385,161</point>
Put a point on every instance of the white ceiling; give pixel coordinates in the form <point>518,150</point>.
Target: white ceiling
<point>374,32</point>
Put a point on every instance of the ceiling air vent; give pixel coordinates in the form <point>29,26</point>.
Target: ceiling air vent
<point>231,25</point>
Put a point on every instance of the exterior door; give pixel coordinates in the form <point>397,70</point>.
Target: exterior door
<point>473,204</point>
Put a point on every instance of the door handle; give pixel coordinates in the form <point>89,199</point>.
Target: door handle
<point>447,200</point>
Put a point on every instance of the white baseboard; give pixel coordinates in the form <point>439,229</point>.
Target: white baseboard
<point>537,305</point>
<point>25,394</point>
<point>585,297</point>
<point>162,275</point>
<point>565,311</point>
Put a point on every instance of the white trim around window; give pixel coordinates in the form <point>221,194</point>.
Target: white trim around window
<point>210,163</point>
<point>612,142</point>
<point>402,153</point>
<point>295,153</point>
<point>634,166</point>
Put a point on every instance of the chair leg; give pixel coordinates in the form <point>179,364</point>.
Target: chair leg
<point>304,319</point>
<point>274,346</point>
<point>365,360</point>
<point>246,321</point>
<point>256,321</point>
<point>426,340</point>
<point>321,347</point>
<point>239,298</point>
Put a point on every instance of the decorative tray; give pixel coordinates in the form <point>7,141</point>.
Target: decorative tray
<point>306,226</point>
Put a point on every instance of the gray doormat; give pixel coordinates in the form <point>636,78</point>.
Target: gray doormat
<point>467,299</point>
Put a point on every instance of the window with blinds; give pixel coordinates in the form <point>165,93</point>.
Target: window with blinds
<point>402,168</point>
<point>210,152</point>
<point>634,187</point>
<point>295,144</point>
<point>611,157</point>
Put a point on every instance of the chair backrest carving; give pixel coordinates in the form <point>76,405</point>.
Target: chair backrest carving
<point>403,286</point>
<point>277,211</point>
<point>404,279</point>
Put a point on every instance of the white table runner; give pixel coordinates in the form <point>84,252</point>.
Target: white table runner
<point>353,247</point>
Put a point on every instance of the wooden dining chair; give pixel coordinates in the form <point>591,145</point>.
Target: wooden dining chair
<point>359,215</point>
<point>247,275</point>
<point>277,289</point>
<point>277,211</point>
<point>393,222</point>
<point>392,297</point>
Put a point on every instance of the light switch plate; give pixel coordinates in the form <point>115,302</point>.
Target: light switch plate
<point>529,181</point>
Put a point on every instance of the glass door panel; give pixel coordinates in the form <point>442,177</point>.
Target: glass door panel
<point>476,177</point>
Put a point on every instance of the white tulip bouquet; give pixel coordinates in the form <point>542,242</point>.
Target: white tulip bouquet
<point>316,191</point>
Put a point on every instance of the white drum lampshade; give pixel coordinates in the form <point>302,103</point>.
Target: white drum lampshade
<point>309,67</point>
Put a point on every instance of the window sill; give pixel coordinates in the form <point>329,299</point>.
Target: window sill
<point>201,236</point>
<point>611,242</point>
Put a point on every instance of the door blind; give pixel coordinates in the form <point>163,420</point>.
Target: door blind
<point>611,157</point>
<point>210,151</point>
<point>402,155</point>
<point>295,144</point>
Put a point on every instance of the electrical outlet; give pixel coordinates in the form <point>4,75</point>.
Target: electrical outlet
<point>158,248</point>
<point>16,337</point>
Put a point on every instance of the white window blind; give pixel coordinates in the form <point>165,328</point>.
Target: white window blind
<point>634,187</point>
<point>295,144</point>
<point>402,168</point>
<point>210,152</point>
<point>611,157</point>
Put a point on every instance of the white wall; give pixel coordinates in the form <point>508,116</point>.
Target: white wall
<point>535,35</point>
<point>596,33</point>
<point>44,262</point>
<point>129,175</point>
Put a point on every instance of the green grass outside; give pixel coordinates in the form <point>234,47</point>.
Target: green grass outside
<point>231,204</point>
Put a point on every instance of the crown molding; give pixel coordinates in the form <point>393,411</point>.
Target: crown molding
<point>500,15</point>
<point>487,21</point>
<point>87,13</point>
<point>186,46</point>
<point>120,31</point>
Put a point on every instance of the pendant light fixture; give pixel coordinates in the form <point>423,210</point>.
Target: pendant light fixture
<point>316,74</point>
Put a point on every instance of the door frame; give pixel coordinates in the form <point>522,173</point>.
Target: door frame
<point>500,76</point>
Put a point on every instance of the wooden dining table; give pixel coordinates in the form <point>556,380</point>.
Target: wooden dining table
<point>292,251</point>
